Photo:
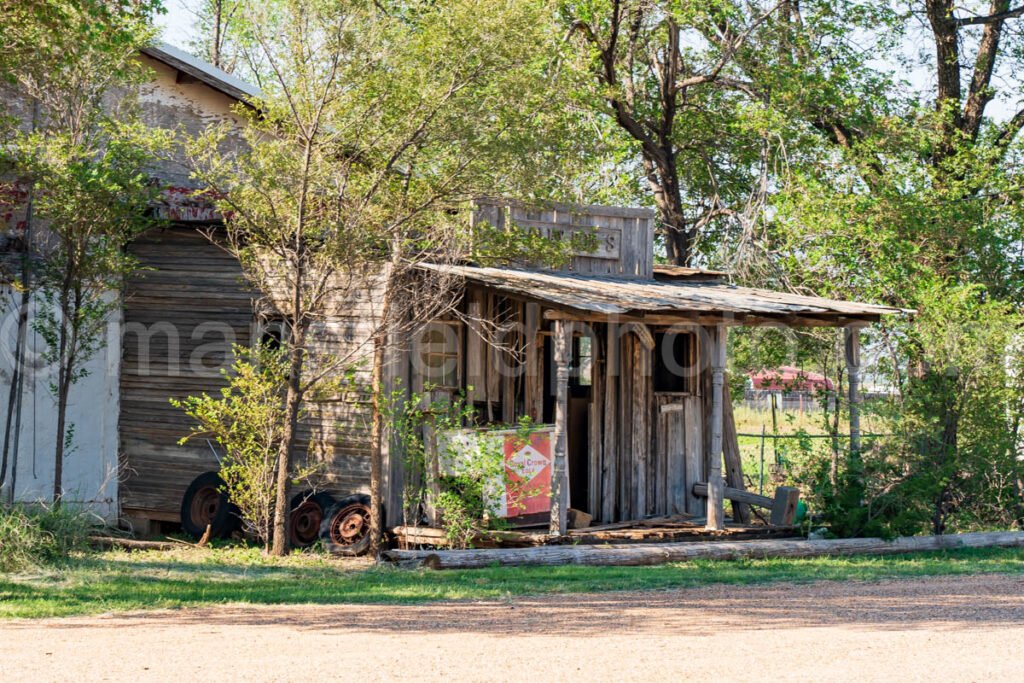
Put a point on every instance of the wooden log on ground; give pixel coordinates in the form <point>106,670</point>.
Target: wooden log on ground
<point>108,542</point>
<point>643,554</point>
<point>422,535</point>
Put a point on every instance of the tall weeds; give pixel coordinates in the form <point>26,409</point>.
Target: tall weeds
<point>37,535</point>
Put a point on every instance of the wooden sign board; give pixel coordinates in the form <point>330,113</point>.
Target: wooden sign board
<point>609,240</point>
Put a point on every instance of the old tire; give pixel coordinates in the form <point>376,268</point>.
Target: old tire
<point>307,514</point>
<point>346,526</point>
<point>206,503</point>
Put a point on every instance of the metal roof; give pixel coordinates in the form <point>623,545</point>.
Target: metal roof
<point>188,63</point>
<point>611,296</point>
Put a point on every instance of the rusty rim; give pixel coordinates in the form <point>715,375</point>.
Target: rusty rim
<point>351,524</point>
<point>205,505</point>
<point>305,523</point>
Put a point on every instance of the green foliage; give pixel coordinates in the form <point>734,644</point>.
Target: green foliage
<point>457,471</point>
<point>247,420</point>
<point>84,155</point>
<point>37,536</point>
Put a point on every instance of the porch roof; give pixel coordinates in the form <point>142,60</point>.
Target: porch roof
<point>602,296</point>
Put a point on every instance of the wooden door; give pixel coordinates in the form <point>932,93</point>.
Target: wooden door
<point>679,454</point>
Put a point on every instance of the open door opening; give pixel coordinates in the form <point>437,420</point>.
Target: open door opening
<point>581,376</point>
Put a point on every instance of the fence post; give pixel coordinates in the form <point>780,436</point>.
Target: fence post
<point>761,476</point>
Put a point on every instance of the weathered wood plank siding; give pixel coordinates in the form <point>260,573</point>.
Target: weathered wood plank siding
<point>182,313</point>
<point>625,237</point>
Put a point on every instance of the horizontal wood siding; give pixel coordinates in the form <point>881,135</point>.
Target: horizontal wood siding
<point>182,313</point>
<point>625,236</point>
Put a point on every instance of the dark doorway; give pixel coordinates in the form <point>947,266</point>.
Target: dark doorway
<point>581,371</point>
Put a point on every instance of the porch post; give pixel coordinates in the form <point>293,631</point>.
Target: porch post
<point>560,473</point>
<point>852,345</point>
<point>716,487</point>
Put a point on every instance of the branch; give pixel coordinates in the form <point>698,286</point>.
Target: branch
<point>1011,129</point>
<point>979,94</point>
<point>730,50</point>
<point>1014,13</point>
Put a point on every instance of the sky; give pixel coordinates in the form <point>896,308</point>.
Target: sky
<point>178,23</point>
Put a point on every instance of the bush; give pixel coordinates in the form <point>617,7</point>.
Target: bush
<point>34,536</point>
<point>247,421</point>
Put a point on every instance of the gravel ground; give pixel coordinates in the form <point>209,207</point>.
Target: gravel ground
<point>937,629</point>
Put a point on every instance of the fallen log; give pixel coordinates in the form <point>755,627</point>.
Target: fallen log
<point>108,542</point>
<point>642,554</point>
<point>410,535</point>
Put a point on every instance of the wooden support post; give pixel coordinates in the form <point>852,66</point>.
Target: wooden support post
<point>852,344</point>
<point>784,506</point>
<point>733,459</point>
<point>610,470</point>
<point>716,486</point>
<point>560,472</point>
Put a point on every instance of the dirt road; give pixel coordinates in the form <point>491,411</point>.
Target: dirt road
<point>942,629</point>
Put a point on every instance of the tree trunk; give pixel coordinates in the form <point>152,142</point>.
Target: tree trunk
<point>64,360</point>
<point>293,403</point>
<point>643,554</point>
<point>662,178</point>
<point>296,356</point>
<point>14,394</point>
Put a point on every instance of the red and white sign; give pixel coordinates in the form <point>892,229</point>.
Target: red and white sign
<point>528,468</point>
<point>524,493</point>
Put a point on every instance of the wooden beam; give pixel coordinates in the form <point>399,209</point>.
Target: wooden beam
<point>731,454</point>
<point>560,471</point>
<point>738,495</point>
<point>852,347</point>
<point>641,554</point>
<point>610,465</point>
<point>716,486</point>
<point>782,506</point>
<point>730,319</point>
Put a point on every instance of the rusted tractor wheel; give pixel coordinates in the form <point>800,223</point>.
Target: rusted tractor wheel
<point>307,514</point>
<point>346,526</point>
<point>206,504</point>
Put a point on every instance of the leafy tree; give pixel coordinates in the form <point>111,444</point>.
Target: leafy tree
<point>217,24</point>
<point>379,122</point>
<point>84,156</point>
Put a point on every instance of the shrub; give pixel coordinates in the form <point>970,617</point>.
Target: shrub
<point>34,536</point>
<point>247,421</point>
<point>439,440</point>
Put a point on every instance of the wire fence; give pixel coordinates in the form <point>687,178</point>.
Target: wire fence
<point>779,462</point>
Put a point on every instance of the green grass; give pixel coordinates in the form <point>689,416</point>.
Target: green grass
<point>119,581</point>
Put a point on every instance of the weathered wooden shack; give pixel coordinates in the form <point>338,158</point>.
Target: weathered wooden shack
<point>624,358</point>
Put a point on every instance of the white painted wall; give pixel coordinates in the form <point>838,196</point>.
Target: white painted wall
<point>90,468</point>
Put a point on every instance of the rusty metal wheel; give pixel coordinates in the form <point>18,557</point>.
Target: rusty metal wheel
<point>307,514</point>
<point>206,504</point>
<point>345,529</point>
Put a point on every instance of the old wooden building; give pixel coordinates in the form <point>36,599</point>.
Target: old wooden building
<point>621,359</point>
